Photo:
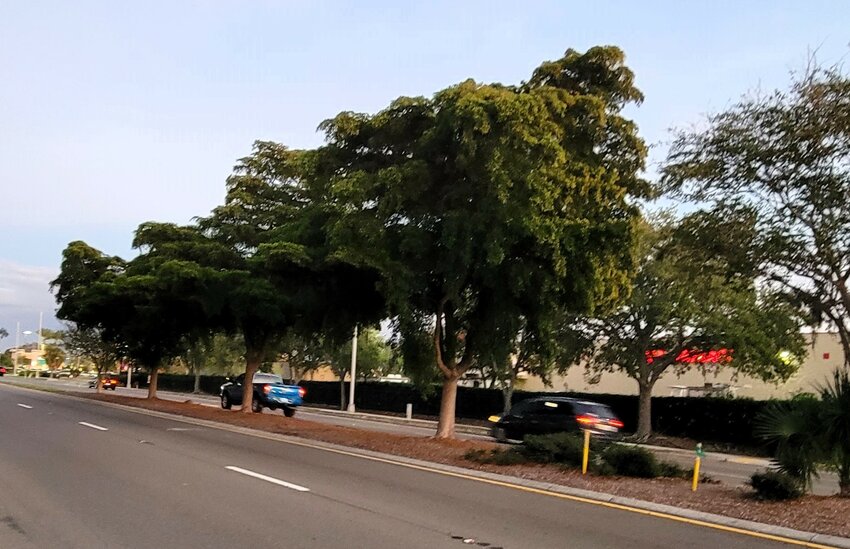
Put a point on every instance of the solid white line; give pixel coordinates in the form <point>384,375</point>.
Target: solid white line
<point>25,406</point>
<point>93,426</point>
<point>267,478</point>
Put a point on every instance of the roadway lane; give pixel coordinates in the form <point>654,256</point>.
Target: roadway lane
<point>729,469</point>
<point>152,482</point>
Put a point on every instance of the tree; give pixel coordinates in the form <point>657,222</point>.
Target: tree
<point>373,357</point>
<point>3,333</point>
<point>279,275</point>
<point>302,355</point>
<point>783,156</point>
<point>54,356</point>
<point>691,308</point>
<point>488,207</point>
<point>89,344</point>
<point>532,355</point>
<point>144,306</point>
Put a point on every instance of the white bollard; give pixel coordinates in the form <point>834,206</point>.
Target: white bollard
<point>409,411</point>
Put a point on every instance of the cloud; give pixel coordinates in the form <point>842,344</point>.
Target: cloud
<point>24,293</point>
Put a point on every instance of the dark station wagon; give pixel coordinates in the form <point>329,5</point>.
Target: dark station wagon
<point>546,415</point>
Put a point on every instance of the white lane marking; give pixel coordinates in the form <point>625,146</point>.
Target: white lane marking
<point>25,406</point>
<point>267,478</point>
<point>93,426</point>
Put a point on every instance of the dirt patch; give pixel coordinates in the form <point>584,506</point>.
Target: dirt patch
<point>826,515</point>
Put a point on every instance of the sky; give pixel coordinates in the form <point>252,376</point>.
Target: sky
<point>117,113</point>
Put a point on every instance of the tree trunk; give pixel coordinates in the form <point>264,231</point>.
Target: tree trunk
<point>197,388</point>
<point>507,395</point>
<point>644,429</point>
<point>446,424</point>
<point>253,359</point>
<point>99,385</point>
<point>152,386</point>
<point>342,402</point>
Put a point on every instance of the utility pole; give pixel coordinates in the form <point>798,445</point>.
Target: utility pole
<point>353,370</point>
<point>40,323</point>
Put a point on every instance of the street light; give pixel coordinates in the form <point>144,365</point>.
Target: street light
<point>353,370</point>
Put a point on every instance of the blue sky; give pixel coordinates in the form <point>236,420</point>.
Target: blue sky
<point>115,113</point>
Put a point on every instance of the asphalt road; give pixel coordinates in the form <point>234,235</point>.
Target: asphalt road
<point>79,474</point>
<point>730,469</point>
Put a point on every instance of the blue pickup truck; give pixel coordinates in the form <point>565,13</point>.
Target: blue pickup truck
<point>269,392</point>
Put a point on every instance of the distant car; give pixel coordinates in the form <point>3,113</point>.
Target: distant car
<point>269,392</point>
<point>2,371</point>
<point>108,383</point>
<point>547,415</point>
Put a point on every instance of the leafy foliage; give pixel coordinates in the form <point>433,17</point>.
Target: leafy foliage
<point>776,486</point>
<point>780,159</point>
<point>490,209</point>
<point>684,300</point>
<point>632,461</point>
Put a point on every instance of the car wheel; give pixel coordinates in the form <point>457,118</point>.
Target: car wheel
<point>289,412</point>
<point>225,401</point>
<point>256,407</point>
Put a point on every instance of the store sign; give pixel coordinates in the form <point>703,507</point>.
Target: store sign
<point>693,356</point>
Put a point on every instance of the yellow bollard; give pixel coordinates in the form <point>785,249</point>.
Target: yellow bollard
<point>697,461</point>
<point>586,452</point>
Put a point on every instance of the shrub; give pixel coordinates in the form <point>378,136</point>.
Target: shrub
<point>673,470</point>
<point>775,485</point>
<point>565,448</point>
<point>631,461</point>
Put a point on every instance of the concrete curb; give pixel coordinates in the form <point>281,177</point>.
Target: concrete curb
<point>640,505</point>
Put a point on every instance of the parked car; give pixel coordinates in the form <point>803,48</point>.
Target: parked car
<point>269,392</point>
<point>2,371</point>
<point>546,415</point>
<point>108,383</point>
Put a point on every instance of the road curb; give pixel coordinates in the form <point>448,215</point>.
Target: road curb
<point>634,505</point>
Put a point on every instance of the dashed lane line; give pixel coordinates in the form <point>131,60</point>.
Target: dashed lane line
<point>93,426</point>
<point>267,478</point>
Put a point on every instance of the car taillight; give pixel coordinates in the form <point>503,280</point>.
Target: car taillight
<point>267,389</point>
<point>587,420</point>
<point>302,392</point>
<point>615,423</point>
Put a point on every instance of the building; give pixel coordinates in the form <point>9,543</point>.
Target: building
<point>824,355</point>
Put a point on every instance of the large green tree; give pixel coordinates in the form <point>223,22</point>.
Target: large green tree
<point>145,307</point>
<point>783,155</point>
<point>693,294</point>
<point>490,208</point>
<point>280,277</point>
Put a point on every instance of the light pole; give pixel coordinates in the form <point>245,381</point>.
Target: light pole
<point>353,370</point>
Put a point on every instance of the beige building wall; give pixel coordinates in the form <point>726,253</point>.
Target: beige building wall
<point>824,355</point>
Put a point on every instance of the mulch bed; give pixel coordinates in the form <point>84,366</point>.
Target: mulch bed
<point>826,515</point>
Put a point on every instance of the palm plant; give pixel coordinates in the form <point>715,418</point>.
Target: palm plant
<point>835,397</point>
<point>794,430</point>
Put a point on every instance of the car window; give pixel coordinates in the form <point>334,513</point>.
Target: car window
<point>520,407</point>
<point>262,377</point>
<point>552,408</point>
<point>239,379</point>
<point>599,410</point>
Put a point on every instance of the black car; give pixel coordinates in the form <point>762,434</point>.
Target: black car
<point>546,415</point>
<point>269,392</point>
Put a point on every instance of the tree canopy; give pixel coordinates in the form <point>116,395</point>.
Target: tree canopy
<point>489,207</point>
<point>691,299</point>
<point>781,158</point>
